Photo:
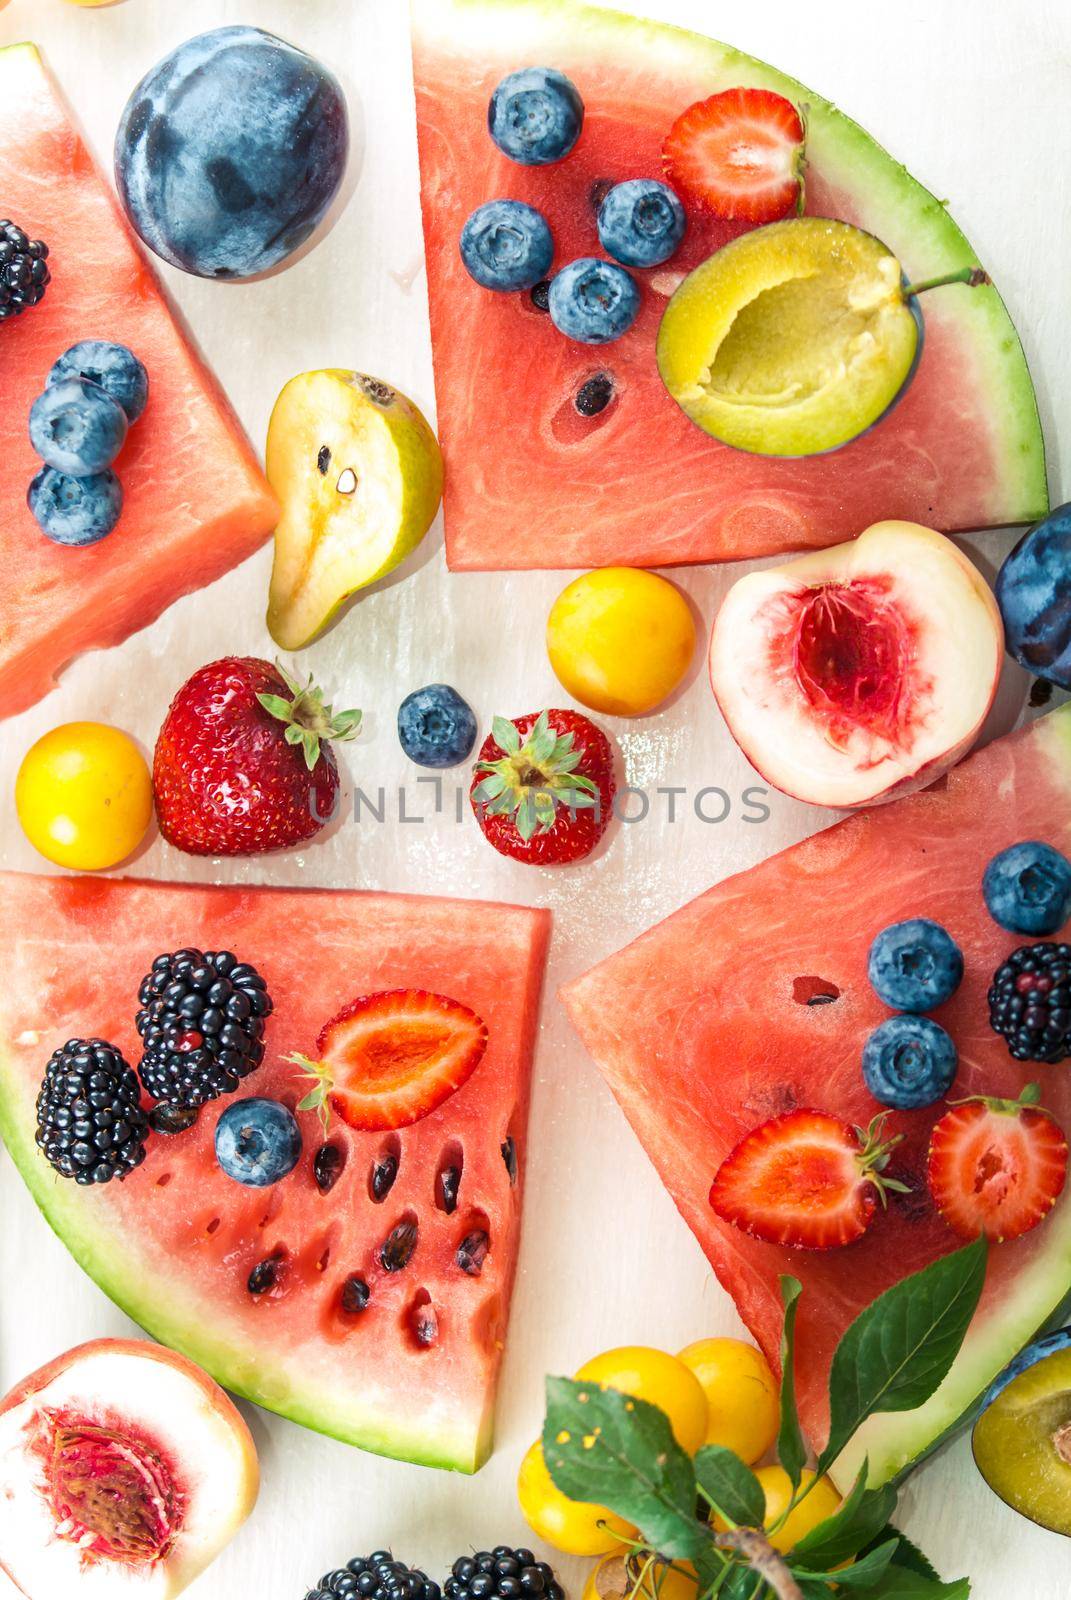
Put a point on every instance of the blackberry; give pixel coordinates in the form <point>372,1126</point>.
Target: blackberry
<point>502,1574</point>
<point>90,1123</point>
<point>375,1577</point>
<point>1030,1002</point>
<point>24,274</point>
<point>202,1023</point>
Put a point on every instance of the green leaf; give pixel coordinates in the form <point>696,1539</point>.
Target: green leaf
<point>604,1446</point>
<point>901,1584</point>
<point>852,1530</point>
<point>506,736</point>
<point>730,1486</point>
<point>790,1447</point>
<point>868,1570</point>
<point>909,1555</point>
<point>899,1350</point>
<point>276,706</point>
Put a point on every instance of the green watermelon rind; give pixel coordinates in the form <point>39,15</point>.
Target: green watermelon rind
<point>327,1412</point>
<point>896,1443</point>
<point>849,158</point>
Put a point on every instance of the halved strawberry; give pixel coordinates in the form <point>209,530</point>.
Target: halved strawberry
<point>740,154</point>
<point>390,1058</point>
<point>805,1179</point>
<point>997,1166</point>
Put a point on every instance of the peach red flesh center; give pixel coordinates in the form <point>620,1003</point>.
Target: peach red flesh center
<point>110,1493</point>
<point>853,655</point>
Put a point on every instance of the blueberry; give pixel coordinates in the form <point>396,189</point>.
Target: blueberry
<point>257,1142</point>
<point>230,152</point>
<point>915,965</point>
<point>535,116</point>
<point>75,511</point>
<point>436,727</point>
<point>909,1062</point>
<point>1027,888</point>
<point>593,301</point>
<point>641,222</point>
<point>77,428</point>
<point>1034,596</point>
<point>507,245</point>
<point>112,367</point>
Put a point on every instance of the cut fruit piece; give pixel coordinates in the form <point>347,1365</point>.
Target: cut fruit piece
<point>739,153</point>
<point>359,477</point>
<point>389,1059</point>
<point>533,478</point>
<point>124,1471</point>
<point>337,1298</point>
<point>792,340</point>
<point>996,1166</point>
<point>196,502</point>
<point>860,673</point>
<point>1022,1441</point>
<point>696,1057</point>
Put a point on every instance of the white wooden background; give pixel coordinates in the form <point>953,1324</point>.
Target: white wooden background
<point>974,99</point>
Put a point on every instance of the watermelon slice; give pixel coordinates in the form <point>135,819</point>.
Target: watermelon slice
<point>730,1034</point>
<point>414,1374</point>
<point>196,501</point>
<point>530,482</point>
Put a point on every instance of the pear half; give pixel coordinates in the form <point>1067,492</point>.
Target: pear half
<point>358,473</point>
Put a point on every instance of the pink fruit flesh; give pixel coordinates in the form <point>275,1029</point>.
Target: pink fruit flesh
<point>111,1492</point>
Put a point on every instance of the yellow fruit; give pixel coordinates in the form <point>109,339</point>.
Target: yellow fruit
<point>820,1503</point>
<point>662,1380</point>
<point>94,2</point>
<point>659,1581</point>
<point>84,796</point>
<point>620,640</point>
<point>743,1407</point>
<point>358,474</point>
<point>574,1526</point>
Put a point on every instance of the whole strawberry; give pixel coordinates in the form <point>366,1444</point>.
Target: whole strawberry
<point>543,789</point>
<point>243,763</point>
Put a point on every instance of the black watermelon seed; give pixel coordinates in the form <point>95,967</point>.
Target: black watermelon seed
<point>509,1156</point>
<point>323,460</point>
<point>539,294</point>
<point>398,1247</point>
<point>425,1325</point>
<point>264,1276</point>
<point>355,1295</point>
<point>449,1185</point>
<point>383,1175</point>
<point>594,394</point>
<point>472,1251</point>
<point>1040,689</point>
<point>327,1166</point>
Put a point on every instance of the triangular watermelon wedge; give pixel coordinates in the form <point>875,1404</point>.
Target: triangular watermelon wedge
<point>707,1025</point>
<point>196,502</point>
<point>414,1374</point>
<point>530,482</point>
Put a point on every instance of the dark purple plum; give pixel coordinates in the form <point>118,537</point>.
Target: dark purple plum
<point>230,152</point>
<point>1034,595</point>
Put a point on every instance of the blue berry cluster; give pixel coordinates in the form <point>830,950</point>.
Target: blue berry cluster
<point>910,1061</point>
<point>535,118</point>
<point>93,395</point>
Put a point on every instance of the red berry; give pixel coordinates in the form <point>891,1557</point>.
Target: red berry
<point>996,1166</point>
<point>242,762</point>
<point>805,1179</point>
<point>739,153</point>
<point>544,787</point>
<point>390,1058</point>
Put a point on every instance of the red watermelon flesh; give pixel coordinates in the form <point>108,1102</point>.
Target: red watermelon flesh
<point>196,501</point>
<point>175,1243</point>
<point>703,1030</point>
<point>531,483</point>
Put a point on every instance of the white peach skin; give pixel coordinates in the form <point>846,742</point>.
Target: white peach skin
<point>861,673</point>
<point>165,1401</point>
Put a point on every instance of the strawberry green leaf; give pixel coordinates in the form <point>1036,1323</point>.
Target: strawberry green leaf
<point>506,736</point>
<point>604,1446</point>
<point>791,1451</point>
<point>899,1350</point>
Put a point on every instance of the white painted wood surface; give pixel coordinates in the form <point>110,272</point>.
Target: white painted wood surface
<point>974,100</point>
